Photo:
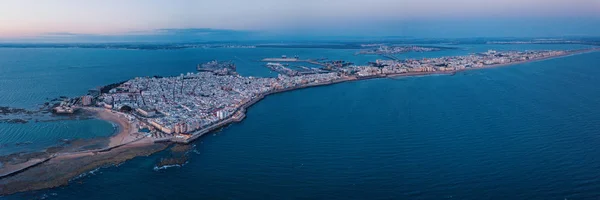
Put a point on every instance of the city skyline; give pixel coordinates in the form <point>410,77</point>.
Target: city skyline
<point>172,21</point>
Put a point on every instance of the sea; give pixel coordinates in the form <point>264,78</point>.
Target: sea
<point>527,131</point>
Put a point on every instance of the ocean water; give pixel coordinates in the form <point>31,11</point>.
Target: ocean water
<point>528,131</point>
<point>36,136</point>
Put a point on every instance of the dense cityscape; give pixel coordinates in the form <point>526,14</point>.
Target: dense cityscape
<point>183,107</point>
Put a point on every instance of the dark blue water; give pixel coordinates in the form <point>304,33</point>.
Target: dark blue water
<point>528,131</point>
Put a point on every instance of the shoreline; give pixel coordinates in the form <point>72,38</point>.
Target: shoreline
<point>125,128</point>
<point>124,145</point>
<point>59,168</point>
<point>496,65</point>
<point>199,133</point>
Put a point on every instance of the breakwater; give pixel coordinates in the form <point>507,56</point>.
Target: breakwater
<point>23,167</point>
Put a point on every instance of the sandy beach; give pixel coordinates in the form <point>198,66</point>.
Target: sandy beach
<point>126,129</point>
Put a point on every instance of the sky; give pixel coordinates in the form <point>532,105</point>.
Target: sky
<point>185,19</point>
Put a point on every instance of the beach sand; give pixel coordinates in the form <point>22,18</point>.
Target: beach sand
<point>126,128</point>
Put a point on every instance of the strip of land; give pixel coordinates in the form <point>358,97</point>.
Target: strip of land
<point>183,108</point>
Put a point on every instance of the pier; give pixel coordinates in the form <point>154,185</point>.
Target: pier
<point>296,59</point>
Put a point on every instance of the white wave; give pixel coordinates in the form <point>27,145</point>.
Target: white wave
<point>196,151</point>
<point>156,168</point>
<point>91,172</point>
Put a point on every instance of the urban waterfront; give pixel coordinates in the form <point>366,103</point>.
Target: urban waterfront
<point>492,130</point>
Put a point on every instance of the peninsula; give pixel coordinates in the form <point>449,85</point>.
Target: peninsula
<point>183,108</point>
<point>153,112</point>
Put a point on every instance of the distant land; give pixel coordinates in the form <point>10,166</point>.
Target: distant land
<point>333,44</point>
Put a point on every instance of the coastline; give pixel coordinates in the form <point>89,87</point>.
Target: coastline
<point>199,133</point>
<point>34,173</point>
<point>60,170</point>
<point>495,65</point>
<point>123,145</point>
<point>125,128</point>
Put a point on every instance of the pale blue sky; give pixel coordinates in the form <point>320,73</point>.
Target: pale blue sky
<point>26,18</point>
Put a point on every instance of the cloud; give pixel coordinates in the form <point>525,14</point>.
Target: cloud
<point>199,31</point>
<point>158,35</point>
<point>62,34</point>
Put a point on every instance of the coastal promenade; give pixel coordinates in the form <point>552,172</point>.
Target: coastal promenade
<point>240,114</point>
